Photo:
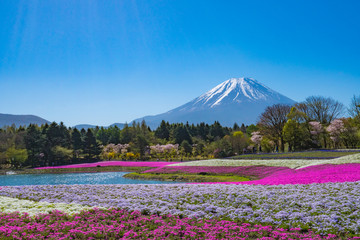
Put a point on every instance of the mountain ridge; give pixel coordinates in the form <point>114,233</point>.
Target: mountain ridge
<point>20,120</point>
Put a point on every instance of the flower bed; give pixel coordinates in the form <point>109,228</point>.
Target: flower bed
<point>355,158</point>
<point>290,163</point>
<point>256,172</point>
<point>110,164</point>
<point>120,224</point>
<point>325,208</point>
<point>313,174</point>
<point>9,205</point>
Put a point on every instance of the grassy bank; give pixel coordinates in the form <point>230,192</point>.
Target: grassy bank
<point>186,177</point>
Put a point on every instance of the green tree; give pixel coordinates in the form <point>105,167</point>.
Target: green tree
<point>238,142</point>
<point>186,147</point>
<point>62,155</point>
<point>216,131</point>
<point>126,136</point>
<point>203,130</point>
<point>292,134</point>
<point>114,133</point>
<point>34,141</point>
<point>76,142</point>
<point>252,128</point>
<point>92,148</point>
<point>162,131</point>
<point>181,134</point>
<point>236,127</point>
<point>140,145</point>
<point>16,157</point>
<point>103,136</point>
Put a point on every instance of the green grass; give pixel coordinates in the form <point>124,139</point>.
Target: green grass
<point>296,155</point>
<point>177,177</point>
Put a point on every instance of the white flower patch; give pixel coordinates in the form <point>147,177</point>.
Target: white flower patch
<point>354,158</point>
<point>9,205</point>
<point>291,163</point>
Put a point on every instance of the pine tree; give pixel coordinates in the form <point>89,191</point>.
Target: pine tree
<point>181,134</point>
<point>243,128</point>
<point>92,148</point>
<point>126,136</point>
<point>76,140</point>
<point>162,131</point>
<point>103,136</point>
<point>34,144</point>
<point>236,127</point>
<point>216,130</point>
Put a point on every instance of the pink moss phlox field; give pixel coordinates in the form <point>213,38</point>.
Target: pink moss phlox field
<point>111,164</point>
<point>120,224</point>
<point>314,174</point>
<point>245,171</point>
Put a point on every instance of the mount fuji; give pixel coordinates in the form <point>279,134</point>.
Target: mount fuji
<point>239,100</point>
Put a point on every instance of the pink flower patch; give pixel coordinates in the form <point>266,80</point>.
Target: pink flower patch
<point>314,174</point>
<point>112,164</point>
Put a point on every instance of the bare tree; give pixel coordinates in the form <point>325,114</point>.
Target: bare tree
<point>321,109</point>
<point>354,109</point>
<point>272,122</point>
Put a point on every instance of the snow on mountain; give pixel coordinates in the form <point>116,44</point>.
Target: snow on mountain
<point>240,100</point>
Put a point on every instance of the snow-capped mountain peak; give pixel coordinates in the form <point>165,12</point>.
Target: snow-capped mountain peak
<point>240,100</point>
<point>235,90</point>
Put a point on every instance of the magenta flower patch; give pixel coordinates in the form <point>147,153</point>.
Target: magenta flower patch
<point>120,224</point>
<point>314,174</point>
<point>111,164</point>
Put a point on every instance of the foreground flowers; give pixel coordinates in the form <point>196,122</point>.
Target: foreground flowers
<point>120,224</point>
<point>325,208</point>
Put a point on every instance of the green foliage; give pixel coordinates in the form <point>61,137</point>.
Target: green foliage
<point>163,131</point>
<point>186,147</point>
<point>141,144</point>
<point>91,146</point>
<point>267,145</point>
<point>16,157</point>
<point>217,131</point>
<point>180,134</point>
<point>292,134</point>
<point>252,128</point>
<point>239,134</point>
<point>76,140</point>
<point>62,155</point>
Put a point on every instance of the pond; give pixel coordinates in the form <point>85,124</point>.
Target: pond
<point>72,178</point>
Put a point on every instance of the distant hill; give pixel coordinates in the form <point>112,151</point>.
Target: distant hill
<point>20,120</point>
<point>86,126</point>
<point>119,125</point>
<point>239,100</point>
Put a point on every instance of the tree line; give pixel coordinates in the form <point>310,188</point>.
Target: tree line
<point>314,123</point>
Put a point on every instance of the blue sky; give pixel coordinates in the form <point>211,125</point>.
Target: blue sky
<point>101,62</point>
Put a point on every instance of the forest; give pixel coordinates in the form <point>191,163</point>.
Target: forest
<point>316,123</point>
